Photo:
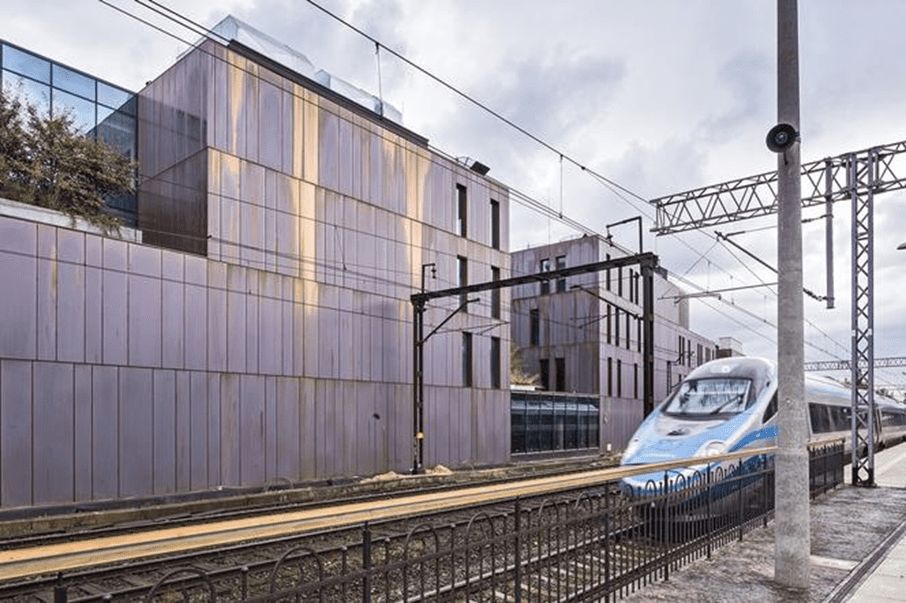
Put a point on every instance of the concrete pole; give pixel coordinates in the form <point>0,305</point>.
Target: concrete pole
<point>791,530</point>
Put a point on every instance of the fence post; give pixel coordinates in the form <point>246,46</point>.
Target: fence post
<point>59,591</point>
<point>366,563</point>
<point>517,553</point>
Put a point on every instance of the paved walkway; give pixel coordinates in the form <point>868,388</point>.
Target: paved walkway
<point>885,580</point>
<point>858,552</point>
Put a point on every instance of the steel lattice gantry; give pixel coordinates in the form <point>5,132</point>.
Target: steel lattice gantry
<point>855,176</point>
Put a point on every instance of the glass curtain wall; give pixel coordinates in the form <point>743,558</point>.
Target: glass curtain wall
<point>98,109</point>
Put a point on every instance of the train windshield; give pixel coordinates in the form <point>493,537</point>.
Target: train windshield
<point>709,397</point>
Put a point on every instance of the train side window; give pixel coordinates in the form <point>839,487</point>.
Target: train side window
<point>771,410</point>
<point>819,417</point>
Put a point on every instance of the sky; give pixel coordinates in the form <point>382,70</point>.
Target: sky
<point>660,96</point>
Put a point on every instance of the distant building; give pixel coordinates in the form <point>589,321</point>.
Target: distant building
<point>728,347</point>
<point>583,334</point>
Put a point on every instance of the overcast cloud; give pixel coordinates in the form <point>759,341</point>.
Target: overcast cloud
<point>661,96</point>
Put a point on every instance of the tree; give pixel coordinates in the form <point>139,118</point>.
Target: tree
<point>45,161</point>
<point>518,376</point>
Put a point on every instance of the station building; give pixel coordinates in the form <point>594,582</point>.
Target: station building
<point>582,337</point>
<point>259,327</point>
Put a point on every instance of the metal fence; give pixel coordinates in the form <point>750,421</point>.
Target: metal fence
<point>593,545</point>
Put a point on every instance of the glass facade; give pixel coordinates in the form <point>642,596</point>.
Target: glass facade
<point>551,422</point>
<point>98,109</point>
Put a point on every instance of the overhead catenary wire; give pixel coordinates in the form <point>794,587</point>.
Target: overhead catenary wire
<point>615,187</point>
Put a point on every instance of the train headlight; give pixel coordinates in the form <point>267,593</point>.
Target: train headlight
<point>713,449</point>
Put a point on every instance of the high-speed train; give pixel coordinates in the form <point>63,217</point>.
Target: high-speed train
<point>730,404</point>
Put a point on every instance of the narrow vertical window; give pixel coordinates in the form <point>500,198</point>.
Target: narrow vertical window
<point>560,368</point>
<point>495,224</point>
<point>620,281</point>
<point>559,264</point>
<point>628,331</point>
<point>616,327</point>
<point>545,266</point>
<point>607,273</point>
<point>467,360</point>
<point>463,267</point>
<point>698,354</point>
<point>631,278</point>
<point>534,327</point>
<point>638,328</point>
<point>462,206</point>
<point>495,362</point>
<point>495,293</point>
<point>609,376</point>
<point>619,378</point>
<point>635,380</point>
<point>609,339</point>
<point>545,373</point>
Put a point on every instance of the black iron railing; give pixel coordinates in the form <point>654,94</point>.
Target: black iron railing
<point>598,544</point>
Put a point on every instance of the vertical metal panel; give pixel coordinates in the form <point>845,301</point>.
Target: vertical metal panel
<point>70,246</point>
<point>308,431</point>
<point>346,165</point>
<point>230,452</point>
<point>288,429</point>
<point>18,236</point>
<point>195,434</point>
<point>251,429</point>
<point>252,310</point>
<point>298,131</point>
<point>311,330</point>
<point>183,436</point>
<point>270,428</point>
<point>214,443</point>
<point>47,309</point>
<point>271,128</point>
<point>135,441</point>
<point>289,327</point>
<point>94,304</point>
<point>220,92</point>
<point>144,321</point>
<point>18,273</point>
<point>81,426</point>
<point>144,260</point>
<point>236,328</point>
<point>325,420</point>
<point>270,329</point>
<point>251,100</point>
<point>164,432</point>
<point>52,443</point>
<point>346,340</point>
<point>347,423</point>
<point>174,317</point>
<point>287,128</point>
<point>114,315</point>
<point>269,200</point>
<point>104,431</point>
<point>328,146</point>
<point>193,326</point>
<point>217,329</point>
<point>15,433</point>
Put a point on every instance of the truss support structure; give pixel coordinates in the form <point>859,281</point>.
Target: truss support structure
<point>855,177</point>
<point>862,174</point>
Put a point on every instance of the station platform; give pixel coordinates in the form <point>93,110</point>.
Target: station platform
<point>858,551</point>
